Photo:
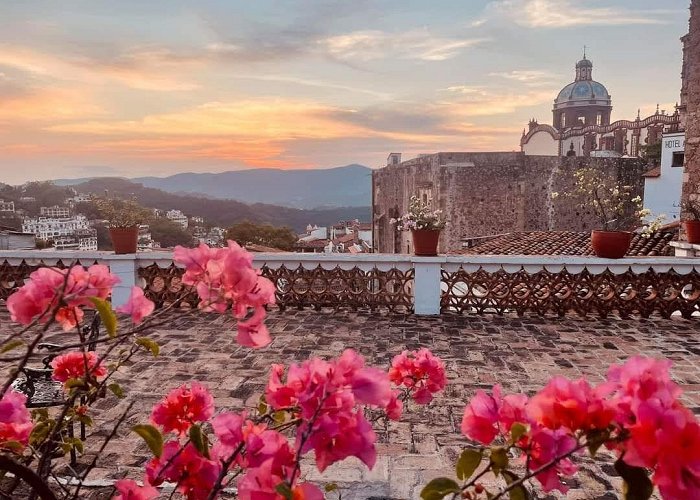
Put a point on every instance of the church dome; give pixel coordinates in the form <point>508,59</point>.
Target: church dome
<point>583,91</point>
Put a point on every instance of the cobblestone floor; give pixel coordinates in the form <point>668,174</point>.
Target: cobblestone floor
<point>520,353</point>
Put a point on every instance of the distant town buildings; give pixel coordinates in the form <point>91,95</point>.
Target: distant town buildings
<point>55,212</point>
<point>178,217</point>
<point>81,241</point>
<point>345,237</point>
<point>49,228</point>
<point>7,206</point>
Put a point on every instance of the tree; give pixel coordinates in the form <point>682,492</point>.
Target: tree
<point>652,152</point>
<point>250,233</point>
<point>169,234</point>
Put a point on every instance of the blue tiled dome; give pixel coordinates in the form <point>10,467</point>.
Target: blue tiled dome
<point>583,90</point>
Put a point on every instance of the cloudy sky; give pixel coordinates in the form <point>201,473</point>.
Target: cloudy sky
<point>163,86</point>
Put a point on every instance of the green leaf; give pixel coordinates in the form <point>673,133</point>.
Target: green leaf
<point>284,490</point>
<point>199,440</point>
<point>518,492</point>
<point>279,416</point>
<point>330,487</point>
<point>109,319</point>
<point>12,446</point>
<point>11,345</point>
<point>149,344</point>
<point>517,430</point>
<point>439,488</point>
<point>75,382</point>
<point>468,461</point>
<point>262,405</point>
<point>116,390</point>
<point>636,485</point>
<point>499,459</point>
<point>152,436</point>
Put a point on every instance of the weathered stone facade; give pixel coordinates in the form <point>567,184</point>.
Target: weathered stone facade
<point>488,193</point>
<point>691,85</point>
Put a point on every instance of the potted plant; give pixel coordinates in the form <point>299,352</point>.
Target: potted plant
<point>425,226</point>
<point>123,219</point>
<point>617,209</point>
<point>692,226</point>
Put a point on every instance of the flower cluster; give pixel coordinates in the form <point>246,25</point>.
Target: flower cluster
<point>615,206</point>
<point>420,372</point>
<point>419,216</point>
<point>74,287</point>
<point>72,365</point>
<point>225,277</point>
<point>15,421</point>
<point>326,396</point>
<point>635,412</point>
<point>138,306</point>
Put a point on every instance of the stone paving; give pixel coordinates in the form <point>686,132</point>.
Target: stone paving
<point>479,351</point>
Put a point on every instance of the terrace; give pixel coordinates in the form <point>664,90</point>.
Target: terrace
<point>513,320</point>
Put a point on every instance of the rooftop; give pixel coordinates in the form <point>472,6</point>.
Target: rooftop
<point>567,243</point>
<point>479,351</point>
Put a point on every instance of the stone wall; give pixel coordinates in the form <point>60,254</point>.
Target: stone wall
<point>691,76</point>
<point>488,193</point>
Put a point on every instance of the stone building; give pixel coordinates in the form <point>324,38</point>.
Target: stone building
<point>484,194</point>
<point>691,70</point>
<point>581,123</point>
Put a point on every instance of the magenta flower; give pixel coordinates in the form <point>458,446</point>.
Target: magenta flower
<point>72,365</point>
<point>128,490</point>
<point>15,420</point>
<point>183,407</point>
<point>138,306</point>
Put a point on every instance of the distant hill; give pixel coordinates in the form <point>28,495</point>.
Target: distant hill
<point>348,186</point>
<point>222,212</point>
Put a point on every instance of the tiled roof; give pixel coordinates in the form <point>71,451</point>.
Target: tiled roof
<point>568,243</point>
<point>346,238</point>
<point>312,244</point>
<point>654,172</point>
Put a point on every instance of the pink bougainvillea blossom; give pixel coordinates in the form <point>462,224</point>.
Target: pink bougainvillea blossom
<point>128,489</point>
<point>421,371</point>
<point>326,395</point>
<point>74,286</point>
<point>226,277</point>
<point>545,445</point>
<point>194,474</point>
<point>72,365</point>
<point>138,306</point>
<point>15,420</point>
<point>183,407</point>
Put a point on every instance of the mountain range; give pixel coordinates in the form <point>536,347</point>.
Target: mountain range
<point>348,186</point>
<point>221,212</point>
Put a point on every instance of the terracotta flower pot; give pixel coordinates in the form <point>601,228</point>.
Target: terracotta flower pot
<point>692,230</point>
<point>124,239</point>
<point>425,242</point>
<point>610,244</point>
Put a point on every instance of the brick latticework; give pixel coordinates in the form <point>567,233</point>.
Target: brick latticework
<point>691,181</point>
<point>485,194</point>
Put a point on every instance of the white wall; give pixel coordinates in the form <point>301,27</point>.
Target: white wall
<point>541,143</point>
<point>662,194</point>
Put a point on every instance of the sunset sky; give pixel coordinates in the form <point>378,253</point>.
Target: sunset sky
<point>155,87</point>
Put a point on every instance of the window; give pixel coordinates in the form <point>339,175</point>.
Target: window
<point>599,118</point>
<point>581,119</point>
<point>563,120</point>
<point>677,159</point>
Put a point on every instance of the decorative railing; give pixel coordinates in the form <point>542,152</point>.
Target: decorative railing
<point>475,284</point>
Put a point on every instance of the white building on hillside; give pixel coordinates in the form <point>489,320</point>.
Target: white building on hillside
<point>47,228</point>
<point>178,217</point>
<point>7,206</point>
<point>662,184</point>
<point>55,212</point>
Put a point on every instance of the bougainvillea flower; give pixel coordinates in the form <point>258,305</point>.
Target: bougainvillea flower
<point>138,306</point>
<point>572,404</point>
<point>15,420</point>
<point>72,365</point>
<point>481,416</point>
<point>74,286</point>
<point>128,490</point>
<point>183,407</point>
<point>394,408</point>
<point>420,371</point>
<point>546,444</point>
<point>194,474</point>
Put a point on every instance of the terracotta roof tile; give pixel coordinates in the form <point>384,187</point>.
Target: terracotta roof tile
<point>654,172</point>
<point>567,243</point>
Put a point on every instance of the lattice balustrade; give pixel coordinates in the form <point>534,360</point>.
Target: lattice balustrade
<point>302,287</point>
<point>629,293</point>
<point>352,288</point>
<point>163,285</point>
